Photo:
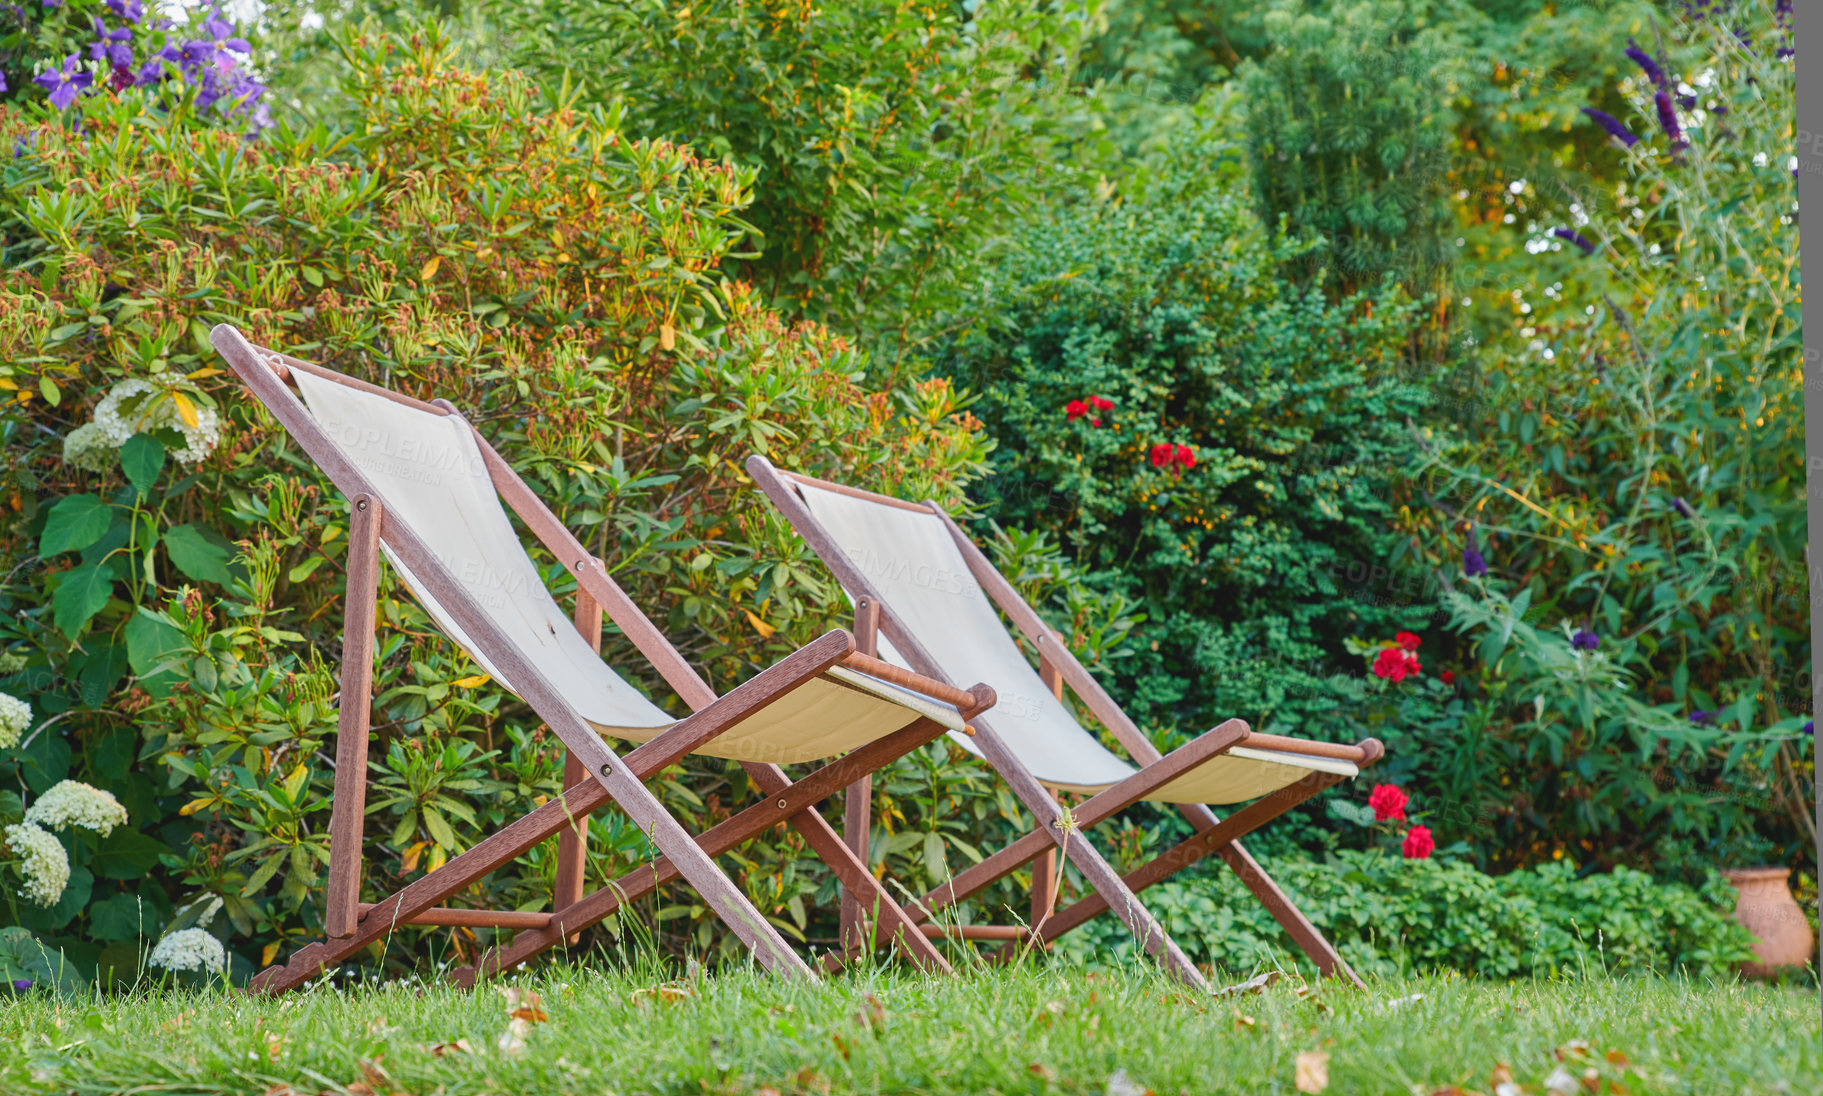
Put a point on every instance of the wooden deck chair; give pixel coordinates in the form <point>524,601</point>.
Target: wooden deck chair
<point>424,489</point>
<point>925,597</point>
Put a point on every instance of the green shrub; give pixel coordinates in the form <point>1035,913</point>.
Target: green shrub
<point>173,586</point>
<point>1389,915</point>
<point>896,143</point>
<point>1631,474</point>
<point>1237,473</point>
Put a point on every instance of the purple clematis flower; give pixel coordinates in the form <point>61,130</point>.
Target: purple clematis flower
<point>1612,124</point>
<point>1574,237</point>
<point>1472,564</point>
<point>1702,718</point>
<point>113,46</point>
<point>220,47</point>
<point>22,984</point>
<point>1585,640</point>
<point>159,64</point>
<point>66,83</point>
<point>1810,726</point>
<point>132,11</point>
<point>1683,508</point>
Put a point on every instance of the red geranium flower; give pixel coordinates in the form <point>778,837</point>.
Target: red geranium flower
<point>1407,640</point>
<point>1388,803</point>
<point>1075,409</point>
<point>1162,454</point>
<point>1448,676</point>
<point>1186,456</point>
<point>1418,843</point>
<point>1392,664</point>
<point>1100,404</point>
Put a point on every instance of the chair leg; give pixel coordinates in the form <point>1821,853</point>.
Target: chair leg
<point>348,813</point>
<point>857,824</point>
<point>500,847</point>
<point>573,843</point>
<point>785,802</point>
<point>1096,871</point>
<point>1220,839</point>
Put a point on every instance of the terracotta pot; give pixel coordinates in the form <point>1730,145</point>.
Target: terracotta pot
<point>1767,909</point>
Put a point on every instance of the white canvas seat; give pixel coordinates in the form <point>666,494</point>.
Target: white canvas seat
<point>430,473</point>
<point>915,564</point>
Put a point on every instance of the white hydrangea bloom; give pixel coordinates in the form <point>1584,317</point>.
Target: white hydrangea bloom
<point>87,448</point>
<point>73,803</point>
<point>15,717</point>
<point>42,861</point>
<point>190,949</point>
<point>138,406</point>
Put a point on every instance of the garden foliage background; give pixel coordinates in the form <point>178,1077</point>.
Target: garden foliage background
<point>1323,364</point>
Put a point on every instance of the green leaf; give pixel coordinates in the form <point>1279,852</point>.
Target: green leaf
<point>197,556</point>
<point>48,387</point>
<point>142,458</point>
<point>74,523</point>
<point>154,646</point>
<point>83,593</point>
<point>126,854</point>
<point>123,917</point>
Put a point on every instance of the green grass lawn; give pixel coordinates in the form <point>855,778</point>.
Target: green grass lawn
<point>1029,1031</point>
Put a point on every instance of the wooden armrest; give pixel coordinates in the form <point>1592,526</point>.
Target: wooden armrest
<point>1366,752</point>
<point>963,700</point>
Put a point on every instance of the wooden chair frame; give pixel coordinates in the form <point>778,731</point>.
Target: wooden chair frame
<point>594,775</point>
<point>1058,668</point>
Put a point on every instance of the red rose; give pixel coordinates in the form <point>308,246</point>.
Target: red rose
<point>1448,676</point>
<point>1392,664</point>
<point>1075,409</point>
<point>1418,843</point>
<point>1412,665</point>
<point>1161,454</point>
<point>1388,803</point>
<point>1407,640</point>
<point>1186,456</point>
<point>1100,404</point>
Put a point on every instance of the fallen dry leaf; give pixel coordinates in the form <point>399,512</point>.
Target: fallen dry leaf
<point>1120,1085</point>
<point>841,1044</point>
<point>524,1004</point>
<point>1251,985</point>
<point>275,1047</point>
<point>669,993</point>
<point>1042,1072</point>
<point>374,1074</point>
<point>1312,1073</point>
<point>1560,1083</point>
<point>438,1050</point>
<point>872,1015</point>
<point>1616,1058</point>
<point>767,1092</point>
<point>1575,1048</point>
<point>1244,1022</point>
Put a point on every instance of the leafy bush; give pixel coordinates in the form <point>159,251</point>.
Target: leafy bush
<point>1207,439</point>
<point>895,142</point>
<point>1390,915</point>
<point>173,595</point>
<point>1642,631</point>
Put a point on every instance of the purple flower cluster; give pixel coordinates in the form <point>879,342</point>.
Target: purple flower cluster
<point>1612,124</point>
<point>1569,235</point>
<point>1585,640</point>
<point>211,64</point>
